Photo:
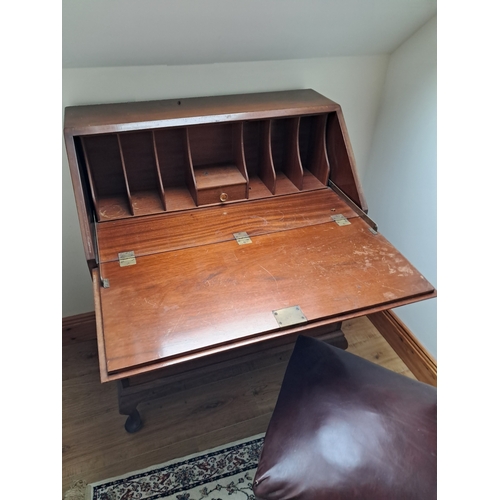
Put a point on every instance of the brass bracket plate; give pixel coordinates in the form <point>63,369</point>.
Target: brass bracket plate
<point>105,283</point>
<point>289,316</point>
<point>354,206</point>
<point>242,238</point>
<point>126,259</point>
<point>340,220</point>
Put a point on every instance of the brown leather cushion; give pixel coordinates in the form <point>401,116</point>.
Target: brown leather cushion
<point>345,428</point>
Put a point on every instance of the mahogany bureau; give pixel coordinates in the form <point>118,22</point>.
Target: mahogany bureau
<point>218,226</point>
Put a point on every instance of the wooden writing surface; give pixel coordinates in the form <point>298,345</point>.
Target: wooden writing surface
<point>216,224</point>
<point>182,301</point>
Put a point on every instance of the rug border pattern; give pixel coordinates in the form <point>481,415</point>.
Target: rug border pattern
<point>96,488</point>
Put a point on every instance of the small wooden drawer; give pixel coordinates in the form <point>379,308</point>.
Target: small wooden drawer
<point>219,184</point>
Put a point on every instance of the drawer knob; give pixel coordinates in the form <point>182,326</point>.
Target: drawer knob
<point>224,197</point>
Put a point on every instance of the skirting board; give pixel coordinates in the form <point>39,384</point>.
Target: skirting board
<point>81,327</point>
<point>407,347</point>
<point>78,328</point>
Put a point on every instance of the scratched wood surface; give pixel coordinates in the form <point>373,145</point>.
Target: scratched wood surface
<point>182,301</point>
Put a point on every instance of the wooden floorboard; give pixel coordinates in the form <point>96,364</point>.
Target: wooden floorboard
<point>201,416</point>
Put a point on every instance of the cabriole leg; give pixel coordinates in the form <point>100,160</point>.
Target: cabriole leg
<point>127,404</point>
<point>134,422</point>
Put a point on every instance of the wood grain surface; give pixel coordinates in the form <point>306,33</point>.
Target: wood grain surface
<point>120,117</point>
<point>195,228</point>
<point>407,346</point>
<point>201,297</point>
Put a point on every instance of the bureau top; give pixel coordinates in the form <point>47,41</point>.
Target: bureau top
<point>121,117</point>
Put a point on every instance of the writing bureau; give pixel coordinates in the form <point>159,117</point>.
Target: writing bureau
<point>218,226</point>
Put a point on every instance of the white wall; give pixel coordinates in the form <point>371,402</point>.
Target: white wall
<point>356,83</point>
<point>400,181</point>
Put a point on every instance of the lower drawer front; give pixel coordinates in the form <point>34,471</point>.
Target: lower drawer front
<point>221,194</point>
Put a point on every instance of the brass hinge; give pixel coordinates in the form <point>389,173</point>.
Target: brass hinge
<point>126,259</point>
<point>354,206</point>
<point>340,220</point>
<point>242,238</point>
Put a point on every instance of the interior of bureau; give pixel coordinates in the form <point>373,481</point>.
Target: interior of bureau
<point>143,172</point>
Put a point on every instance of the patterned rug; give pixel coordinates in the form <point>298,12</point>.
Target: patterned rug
<point>221,473</point>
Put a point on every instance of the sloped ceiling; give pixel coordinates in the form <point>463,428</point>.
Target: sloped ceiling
<point>100,33</point>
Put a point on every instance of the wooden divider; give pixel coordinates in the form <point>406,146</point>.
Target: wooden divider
<point>148,172</point>
<point>174,165</point>
<point>158,172</point>
<point>268,173</point>
<point>293,165</point>
<point>318,161</point>
<point>89,174</point>
<point>239,154</point>
<point>190,178</point>
<point>127,187</point>
<point>106,176</point>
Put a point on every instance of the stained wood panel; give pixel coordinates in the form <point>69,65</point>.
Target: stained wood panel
<point>220,293</point>
<point>312,144</point>
<point>343,170</point>
<point>119,117</point>
<point>187,229</point>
